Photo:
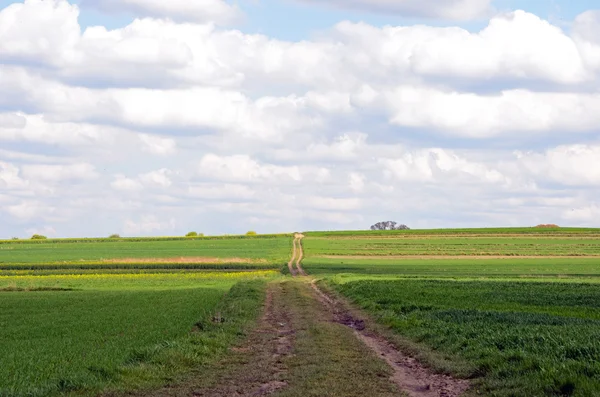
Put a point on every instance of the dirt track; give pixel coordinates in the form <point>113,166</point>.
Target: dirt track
<point>308,341</point>
<point>411,377</point>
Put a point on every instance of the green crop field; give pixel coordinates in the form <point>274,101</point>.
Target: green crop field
<point>267,249</point>
<point>464,301</point>
<point>519,339</point>
<point>89,315</point>
<point>85,333</point>
<point>516,311</point>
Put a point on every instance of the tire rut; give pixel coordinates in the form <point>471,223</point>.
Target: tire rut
<point>409,375</point>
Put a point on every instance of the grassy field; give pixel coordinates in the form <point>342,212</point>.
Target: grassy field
<point>84,334</point>
<point>258,250</point>
<point>515,310</point>
<point>92,315</point>
<point>521,339</point>
<point>467,296</point>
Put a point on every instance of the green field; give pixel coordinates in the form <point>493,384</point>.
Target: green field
<point>268,249</point>
<point>464,301</point>
<point>90,315</point>
<point>117,331</point>
<point>517,311</point>
<point>520,339</point>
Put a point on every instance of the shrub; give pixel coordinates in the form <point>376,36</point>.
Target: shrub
<point>251,233</point>
<point>114,236</point>
<point>192,234</point>
<point>38,237</point>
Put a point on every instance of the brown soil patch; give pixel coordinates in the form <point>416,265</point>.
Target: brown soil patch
<point>409,375</point>
<point>184,259</point>
<point>401,257</point>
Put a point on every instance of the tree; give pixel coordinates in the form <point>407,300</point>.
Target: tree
<point>389,225</point>
<point>38,237</point>
<point>251,233</point>
<point>114,236</point>
<point>192,234</point>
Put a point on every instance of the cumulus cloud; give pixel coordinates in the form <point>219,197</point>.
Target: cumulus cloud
<point>446,9</point>
<point>56,173</point>
<point>569,165</point>
<point>158,145</point>
<point>218,11</point>
<point>204,126</point>
<point>148,225</point>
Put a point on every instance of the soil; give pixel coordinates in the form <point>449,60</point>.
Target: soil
<point>411,377</point>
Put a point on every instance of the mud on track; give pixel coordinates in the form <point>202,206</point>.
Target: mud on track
<point>409,375</point>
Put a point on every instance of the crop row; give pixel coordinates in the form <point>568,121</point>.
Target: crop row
<point>530,339</point>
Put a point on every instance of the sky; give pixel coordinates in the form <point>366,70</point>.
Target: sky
<point>146,117</point>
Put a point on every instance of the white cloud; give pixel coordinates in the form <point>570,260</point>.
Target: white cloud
<point>447,9</point>
<point>123,183</point>
<point>218,11</point>
<point>10,178</point>
<point>158,145</point>
<point>44,231</point>
<point>440,166</point>
<point>59,173</point>
<point>222,191</point>
<point>569,165</point>
<point>148,225</point>
<point>473,115</point>
<point>589,215</point>
<point>331,203</point>
<point>39,31</point>
<point>158,178</point>
<point>30,209</point>
<point>244,168</point>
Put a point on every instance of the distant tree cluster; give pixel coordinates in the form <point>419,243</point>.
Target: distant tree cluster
<point>38,237</point>
<point>389,225</point>
<point>194,234</point>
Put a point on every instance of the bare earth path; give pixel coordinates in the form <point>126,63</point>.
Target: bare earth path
<point>310,344</point>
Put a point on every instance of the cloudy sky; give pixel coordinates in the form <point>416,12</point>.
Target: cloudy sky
<point>151,117</point>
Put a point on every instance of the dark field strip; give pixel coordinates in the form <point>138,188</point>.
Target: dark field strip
<point>140,266</point>
<point>520,339</point>
<point>571,267</point>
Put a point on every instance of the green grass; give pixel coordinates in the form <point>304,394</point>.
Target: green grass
<point>272,249</point>
<point>119,332</point>
<point>533,339</point>
<point>496,245</point>
<point>468,267</point>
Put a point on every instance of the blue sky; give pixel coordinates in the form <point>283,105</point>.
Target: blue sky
<point>146,118</point>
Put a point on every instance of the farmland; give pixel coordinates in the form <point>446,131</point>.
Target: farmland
<point>83,316</point>
<point>513,312</point>
<point>516,311</point>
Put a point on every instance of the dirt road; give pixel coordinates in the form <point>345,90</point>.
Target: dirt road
<point>310,343</point>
